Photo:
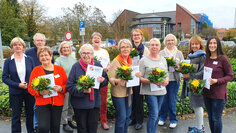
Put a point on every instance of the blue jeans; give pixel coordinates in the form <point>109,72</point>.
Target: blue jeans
<point>169,103</point>
<point>35,117</point>
<point>123,112</point>
<point>154,104</point>
<point>215,109</point>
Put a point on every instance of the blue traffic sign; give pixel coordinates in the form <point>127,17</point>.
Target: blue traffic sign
<point>81,24</point>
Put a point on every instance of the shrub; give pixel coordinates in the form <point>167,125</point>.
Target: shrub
<point>233,63</point>
<point>7,53</point>
<point>231,95</point>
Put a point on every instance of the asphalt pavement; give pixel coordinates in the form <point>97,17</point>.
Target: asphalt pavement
<point>229,125</point>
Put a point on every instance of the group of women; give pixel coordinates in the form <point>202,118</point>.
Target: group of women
<point>19,73</point>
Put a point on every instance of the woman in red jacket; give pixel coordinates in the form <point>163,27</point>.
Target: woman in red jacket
<point>49,107</point>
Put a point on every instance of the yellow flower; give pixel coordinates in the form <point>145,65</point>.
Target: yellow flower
<point>83,78</point>
<point>133,49</point>
<point>195,83</point>
<point>36,82</point>
<point>159,70</point>
<point>169,58</point>
<point>125,67</point>
<point>186,64</point>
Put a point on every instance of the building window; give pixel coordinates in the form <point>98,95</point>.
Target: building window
<point>179,27</point>
<point>150,19</point>
<point>193,26</point>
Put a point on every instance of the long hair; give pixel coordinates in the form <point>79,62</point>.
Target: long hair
<point>219,47</point>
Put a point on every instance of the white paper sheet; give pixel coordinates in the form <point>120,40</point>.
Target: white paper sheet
<point>207,75</point>
<point>95,72</point>
<point>136,60</point>
<point>135,81</point>
<point>52,84</point>
<point>104,62</point>
<point>154,87</point>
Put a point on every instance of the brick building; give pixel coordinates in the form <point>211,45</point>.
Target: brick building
<point>158,24</point>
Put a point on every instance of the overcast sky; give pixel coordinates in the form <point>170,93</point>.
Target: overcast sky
<point>220,12</point>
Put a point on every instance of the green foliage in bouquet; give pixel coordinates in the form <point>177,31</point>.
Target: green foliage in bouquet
<point>196,86</point>
<point>84,83</point>
<point>124,73</point>
<point>134,53</point>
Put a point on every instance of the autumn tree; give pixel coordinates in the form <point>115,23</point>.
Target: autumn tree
<point>11,22</point>
<point>33,15</point>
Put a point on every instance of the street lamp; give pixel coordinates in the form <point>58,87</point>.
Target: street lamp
<point>164,27</point>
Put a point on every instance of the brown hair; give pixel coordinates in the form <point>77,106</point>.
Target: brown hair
<point>219,47</point>
<point>61,45</point>
<point>139,31</point>
<point>198,40</point>
<point>15,40</point>
<point>44,49</point>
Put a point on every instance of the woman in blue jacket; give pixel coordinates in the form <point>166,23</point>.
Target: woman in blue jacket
<point>16,73</point>
<point>86,104</point>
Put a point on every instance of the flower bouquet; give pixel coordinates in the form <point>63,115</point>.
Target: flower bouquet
<point>196,85</point>
<point>84,83</point>
<point>96,59</point>
<point>185,68</point>
<point>170,61</point>
<point>157,75</point>
<point>134,53</point>
<point>41,84</point>
<point>124,73</point>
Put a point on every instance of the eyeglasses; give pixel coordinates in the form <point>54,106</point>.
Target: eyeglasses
<point>84,54</point>
<point>65,47</point>
<point>128,47</point>
<point>136,34</point>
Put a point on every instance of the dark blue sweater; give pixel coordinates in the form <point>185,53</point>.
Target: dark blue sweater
<point>10,75</point>
<point>33,54</point>
<point>80,100</point>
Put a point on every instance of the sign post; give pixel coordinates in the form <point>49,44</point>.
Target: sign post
<point>82,30</point>
<point>1,51</point>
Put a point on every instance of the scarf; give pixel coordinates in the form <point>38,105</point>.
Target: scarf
<point>140,49</point>
<point>84,67</point>
<point>171,52</point>
<point>197,54</point>
<point>130,63</point>
<point>122,61</point>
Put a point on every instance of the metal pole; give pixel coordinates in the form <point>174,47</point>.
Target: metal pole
<point>82,40</point>
<point>1,51</point>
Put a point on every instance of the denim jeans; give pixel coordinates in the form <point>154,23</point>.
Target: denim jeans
<point>215,109</point>
<point>123,112</point>
<point>35,117</point>
<point>154,104</point>
<point>169,102</point>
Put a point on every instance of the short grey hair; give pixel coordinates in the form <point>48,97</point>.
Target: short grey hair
<point>39,34</point>
<point>86,46</point>
<point>155,39</point>
<point>126,41</point>
<point>170,35</point>
<point>96,33</point>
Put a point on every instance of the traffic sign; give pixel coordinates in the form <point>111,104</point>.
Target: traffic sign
<point>68,36</point>
<point>81,24</point>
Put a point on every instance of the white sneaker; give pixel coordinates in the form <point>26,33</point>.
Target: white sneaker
<point>161,123</point>
<point>173,125</point>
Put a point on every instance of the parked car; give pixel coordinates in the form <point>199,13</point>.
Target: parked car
<point>55,50</point>
<point>229,43</point>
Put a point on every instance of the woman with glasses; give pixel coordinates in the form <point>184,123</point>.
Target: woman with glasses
<point>137,114</point>
<point>66,61</point>
<point>86,104</point>
<point>121,95</point>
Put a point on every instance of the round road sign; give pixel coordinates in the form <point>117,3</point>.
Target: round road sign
<point>68,36</point>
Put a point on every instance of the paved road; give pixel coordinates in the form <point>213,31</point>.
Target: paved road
<point>229,125</point>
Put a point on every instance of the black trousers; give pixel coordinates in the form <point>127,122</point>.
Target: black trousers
<point>49,118</point>
<point>137,114</point>
<point>16,103</point>
<point>87,120</point>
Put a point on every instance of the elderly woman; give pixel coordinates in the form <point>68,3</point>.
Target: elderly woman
<point>121,95</point>
<point>170,99</point>
<point>154,98</point>
<point>16,74</point>
<point>48,108</point>
<point>86,104</point>
<point>137,114</point>
<point>215,98</point>
<point>66,61</point>
<point>101,53</point>
<point>197,57</point>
